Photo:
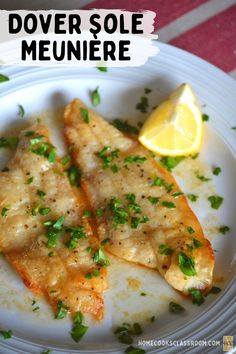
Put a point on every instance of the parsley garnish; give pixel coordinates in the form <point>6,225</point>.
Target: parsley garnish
<point>87,213</point>
<point>125,127</point>
<point>29,180</point>
<point>85,115</point>
<point>44,211</point>
<point>99,212</point>
<point>134,158</point>
<point>215,201</point>
<point>170,162</point>
<point>21,111</point>
<point>203,178</point>
<point>205,117</point>
<point>216,171</point>
<point>74,175</point>
<point>135,221</point>
<point>102,68</point>
<point>197,243</point>
<point>143,294</point>
<point>175,308</point>
<point>165,249</point>
<point>126,331</point>
<point>62,310</point>
<point>114,168</point>
<point>234,128</point>
<point>4,211</point>
<point>147,90</point>
<point>107,157</point>
<point>66,160</point>
<point>158,181</point>
<point>224,229</point>
<point>133,206</point>
<point>41,194</point>
<point>78,330</point>
<point>134,350</point>
<point>94,273</point>
<point>76,233</point>
<point>187,264</point>
<point>153,200</point>
<point>6,334</point>
<point>143,104</point>
<point>177,194</point>
<point>48,351</point>
<point>10,142</point>
<point>169,205</point>
<point>190,230</point>
<point>197,297</point>
<point>195,156</point>
<point>105,241</point>
<point>53,230</point>
<point>43,148</point>
<point>192,197</point>
<point>100,258</point>
<point>95,96</point>
<point>119,214</point>
<point>3,78</point>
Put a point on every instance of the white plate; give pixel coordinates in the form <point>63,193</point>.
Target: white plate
<point>44,89</point>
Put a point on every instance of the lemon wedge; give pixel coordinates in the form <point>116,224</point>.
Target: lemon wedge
<point>175,127</point>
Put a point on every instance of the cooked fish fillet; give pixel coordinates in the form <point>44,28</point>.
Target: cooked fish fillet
<point>52,259</point>
<point>144,218</point>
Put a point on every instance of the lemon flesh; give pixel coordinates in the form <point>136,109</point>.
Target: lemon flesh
<point>175,127</point>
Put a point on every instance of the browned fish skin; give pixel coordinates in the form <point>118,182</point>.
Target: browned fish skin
<point>57,273</point>
<point>165,225</point>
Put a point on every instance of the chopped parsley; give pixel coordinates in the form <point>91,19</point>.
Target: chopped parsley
<point>132,205</point>
<point>66,160</point>
<point>187,264</point>
<point>102,68</point>
<point>190,230</point>
<point>192,197</point>
<point>10,142</point>
<point>76,233</point>
<point>216,171</point>
<point>21,112</point>
<point>158,181</point>
<point>143,104</point>
<point>125,127</point>
<point>95,96</point>
<point>203,178</point>
<point>95,273</point>
<point>234,128</point>
<point>3,78</point>
<point>126,331</point>
<point>147,90</point>
<point>197,296</point>
<point>6,334</point>
<point>134,159</point>
<point>44,211</point>
<point>143,294</point>
<point>114,168</point>
<point>48,351</point>
<point>165,249</point>
<point>134,350</point>
<point>169,205</point>
<point>100,258</point>
<point>224,229</point>
<point>170,162</point>
<point>153,200</point>
<point>54,229</point>
<point>177,194</point>
<point>205,117</point>
<point>99,212</point>
<point>85,115</point>
<point>135,221</point>
<point>195,156</point>
<point>105,242</point>
<point>215,290</point>
<point>74,175</point>
<point>152,319</point>
<point>41,194</point>
<point>29,180</point>
<point>119,214</point>
<point>4,211</point>
<point>107,157</point>
<point>78,330</point>
<point>44,149</point>
<point>87,213</point>
<point>62,310</point>
<point>50,254</point>
<point>215,201</point>
<point>197,243</point>
<point>175,308</point>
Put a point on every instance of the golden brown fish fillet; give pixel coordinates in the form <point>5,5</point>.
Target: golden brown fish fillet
<point>52,259</point>
<point>143,216</point>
